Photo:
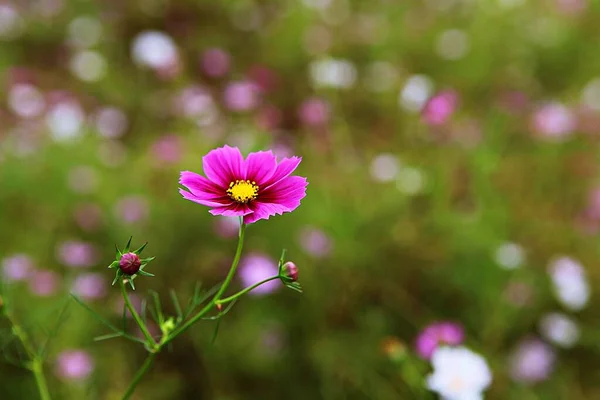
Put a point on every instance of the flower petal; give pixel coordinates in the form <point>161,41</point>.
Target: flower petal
<point>264,211</point>
<point>287,192</point>
<point>200,186</point>
<point>284,169</point>
<point>233,210</point>
<point>224,165</point>
<point>260,166</point>
<point>210,203</point>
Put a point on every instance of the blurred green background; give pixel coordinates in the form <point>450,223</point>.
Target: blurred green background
<point>451,148</point>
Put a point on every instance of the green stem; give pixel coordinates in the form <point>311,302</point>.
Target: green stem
<point>242,292</point>
<point>211,304</point>
<point>36,363</point>
<point>135,315</point>
<point>38,372</point>
<point>139,375</point>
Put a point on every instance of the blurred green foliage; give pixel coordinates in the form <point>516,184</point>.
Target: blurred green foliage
<point>398,261</point>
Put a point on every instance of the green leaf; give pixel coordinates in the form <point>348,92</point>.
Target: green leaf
<point>130,281</point>
<point>147,260</point>
<point>62,317</point>
<point>158,307</point>
<point>144,273</point>
<point>128,245</point>
<point>119,254</point>
<point>118,276</point>
<point>176,305</point>
<point>114,264</point>
<point>139,251</point>
<point>281,260</point>
<point>108,336</point>
<point>104,321</point>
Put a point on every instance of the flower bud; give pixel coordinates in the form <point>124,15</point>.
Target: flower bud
<point>290,271</point>
<point>130,263</point>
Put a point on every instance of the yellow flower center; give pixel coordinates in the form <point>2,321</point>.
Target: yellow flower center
<point>242,191</point>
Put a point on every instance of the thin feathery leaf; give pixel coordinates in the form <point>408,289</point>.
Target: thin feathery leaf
<point>62,317</point>
<point>157,305</point>
<point>176,305</point>
<point>104,321</point>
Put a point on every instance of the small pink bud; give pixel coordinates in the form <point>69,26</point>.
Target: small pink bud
<point>291,271</point>
<point>130,263</point>
<point>219,307</point>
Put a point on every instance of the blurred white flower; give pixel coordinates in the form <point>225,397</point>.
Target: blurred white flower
<point>590,96</point>
<point>415,93</point>
<point>65,121</point>
<point>154,49</point>
<point>385,167</point>
<point>381,76</point>
<point>83,179</point>
<point>509,256</point>
<point>89,66</point>
<point>85,32</point>
<point>11,23</point>
<point>111,122</point>
<point>559,329</point>
<point>410,181</point>
<point>452,44</point>
<point>331,72</point>
<point>26,100</point>
<point>458,374</point>
<point>570,283</point>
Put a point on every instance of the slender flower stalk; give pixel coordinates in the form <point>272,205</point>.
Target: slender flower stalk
<point>139,375</point>
<point>136,317</point>
<point>246,290</point>
<point>213,302</point>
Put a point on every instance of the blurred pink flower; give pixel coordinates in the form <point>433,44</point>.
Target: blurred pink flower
<point>264,77</point>
<point>241,96</point>
<point>74,253</point>
<point>553,121</point>
<point>440,107</point>
<point>194,101</point>
<point>90,286</point>
<point>513,102</point>
<point>571,6</point>
<point>74,365</point>
<point>257,187</point>
<point>88,216</point>
<point>437,334</point>
<point>227,227</point>
<point>215,62</point>
<point>131,209</point>
<point>314,112</point>
<point>17,267</point>
<point>256,267</point>
<point>167,149</point>
<point>315,242</point>
<point>532,361</point>
<point>269,117</point>
<point>43,283</point>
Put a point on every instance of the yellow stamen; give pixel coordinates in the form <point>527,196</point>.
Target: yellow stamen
<point>242,191</point>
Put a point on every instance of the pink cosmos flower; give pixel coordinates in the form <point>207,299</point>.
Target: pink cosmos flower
<point>438,334</point>
<point>256,187</point>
